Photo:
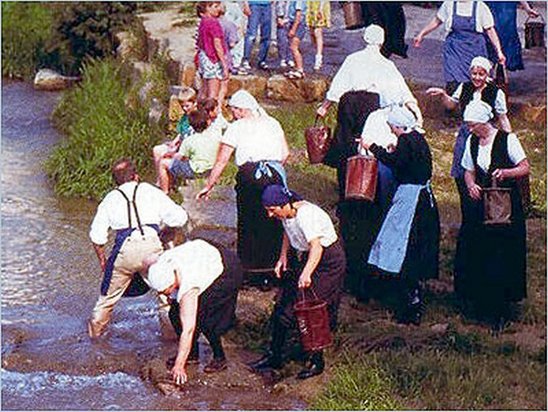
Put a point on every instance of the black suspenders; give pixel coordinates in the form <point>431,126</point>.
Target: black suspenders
<point>134,208</point>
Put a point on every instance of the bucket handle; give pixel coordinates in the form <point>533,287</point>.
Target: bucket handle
<point>303,294</point>
<point>316,120</point>
<point>539,16</point>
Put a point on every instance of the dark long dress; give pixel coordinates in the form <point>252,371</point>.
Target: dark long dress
<point>411,163</point>
<point>359,220</point>
<point>494,271</point>
<point>259,238</point>
<point>505,14</point>
<point>390,16</point>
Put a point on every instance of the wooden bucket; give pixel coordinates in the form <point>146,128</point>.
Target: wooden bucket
<point>361,178</point>
<point>534,33</point>
<point>497,205</point>
<point>313,323</point>
<point>501,78</point>
<point>353,18</point>
<point>318,141</point>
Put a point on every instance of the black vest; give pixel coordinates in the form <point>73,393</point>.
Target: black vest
<point>499,159</point>
<point>488,95</point>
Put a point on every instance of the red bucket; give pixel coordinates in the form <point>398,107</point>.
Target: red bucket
<point>361,178</point>
<point>318,141</point>
<point>313,322</point>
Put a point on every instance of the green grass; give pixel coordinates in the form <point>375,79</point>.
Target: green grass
<point>99,129</point>
<point>26,27</point>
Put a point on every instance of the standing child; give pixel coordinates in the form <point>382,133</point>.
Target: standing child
<point>282,28</point>
<point>187,101</point>
<point>297,29</point>
<point>212,49</point>
<point>318,17</point>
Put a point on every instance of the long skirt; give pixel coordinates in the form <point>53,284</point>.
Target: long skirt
<point>494,264</point>
<point>326,285</point>
<point>505,15</point>
<point>259,237</point>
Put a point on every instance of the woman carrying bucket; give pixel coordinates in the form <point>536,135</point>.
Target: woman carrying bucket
<point>312,263</point>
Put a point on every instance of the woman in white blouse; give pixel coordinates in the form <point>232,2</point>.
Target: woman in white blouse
<point>494,272</point>
<point>311,257</point>
<point>258,143</point>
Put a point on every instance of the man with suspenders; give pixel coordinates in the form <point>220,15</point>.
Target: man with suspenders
<point>135,211</point>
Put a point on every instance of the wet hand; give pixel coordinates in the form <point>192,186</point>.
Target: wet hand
<point>474,191</point>
<point>304,281</point>
<point>179,375</point>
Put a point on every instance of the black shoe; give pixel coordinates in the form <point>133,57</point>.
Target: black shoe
<point>309,372</point>
<point>266,362</point>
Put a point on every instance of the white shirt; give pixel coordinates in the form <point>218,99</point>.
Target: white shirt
<point>220,123</point>
<point>153,206</point>
<point>311,222</point>
<point>368,70</point>
<point>500,99</point>
<point>484,17</point>
<point>515,152</point>
<point>376,130</point>
<point>196,263</point>
<point>256,138</point>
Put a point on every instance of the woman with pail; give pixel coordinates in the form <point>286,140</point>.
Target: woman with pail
<point>494,272</point>
<point>311,262</point>
<point>407,246</point>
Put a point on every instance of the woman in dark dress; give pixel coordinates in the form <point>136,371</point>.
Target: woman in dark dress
<point>480,87</point>
<point>407,245</point>
<point>311,257</point>
<point>495,261</point>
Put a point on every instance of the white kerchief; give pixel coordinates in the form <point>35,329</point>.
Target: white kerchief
<point>374,35</point>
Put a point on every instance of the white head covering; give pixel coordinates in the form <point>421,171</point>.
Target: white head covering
<point>477,111</point>
<point>161,275</point>
<point>242,99</point>
<point>480,61</point>
<point>401,116</point>
<point>374,35</point>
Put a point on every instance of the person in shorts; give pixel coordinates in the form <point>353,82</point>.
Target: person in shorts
<point>297,30</point>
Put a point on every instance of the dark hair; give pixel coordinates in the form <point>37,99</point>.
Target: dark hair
<point>208,104</point>
<point>199,120</point>
<point>123,170</point>
<point>202,6</point>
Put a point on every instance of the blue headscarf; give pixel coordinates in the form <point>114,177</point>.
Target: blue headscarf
<point>278,195</point>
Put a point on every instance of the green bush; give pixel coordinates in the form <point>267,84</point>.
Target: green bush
<point>99,129</point>
<point>26,28</point>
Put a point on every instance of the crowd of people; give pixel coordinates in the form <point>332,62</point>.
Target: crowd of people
<point>393,239</point>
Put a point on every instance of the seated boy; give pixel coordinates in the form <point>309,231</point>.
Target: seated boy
<point>187,101</point>
<point>195,156</point>
<point>212,109</point>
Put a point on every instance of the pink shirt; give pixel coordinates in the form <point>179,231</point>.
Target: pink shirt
<point>208,30</point>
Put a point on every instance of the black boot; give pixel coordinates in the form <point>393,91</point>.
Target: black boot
<point>411,311</point>
<point>315,367</point>
<point>273,359</point>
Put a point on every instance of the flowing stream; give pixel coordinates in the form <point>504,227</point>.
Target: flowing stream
<point>50,280</point>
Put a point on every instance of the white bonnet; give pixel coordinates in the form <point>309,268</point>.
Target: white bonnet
<point>401,116</point>
<point>373,35</point>
<point>161,275</point>
<point>480,61</point>
<point>242,99</point>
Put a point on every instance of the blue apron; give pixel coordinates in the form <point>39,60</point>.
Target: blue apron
<point>137,286</point>
<point>389,250</point>
<point>461,45</point>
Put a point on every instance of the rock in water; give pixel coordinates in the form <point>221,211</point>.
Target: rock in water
<point>50,80</point>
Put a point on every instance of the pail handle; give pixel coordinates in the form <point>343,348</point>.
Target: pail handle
<point>539,16</point>
<point>316,120</point>
<point>303,294</point>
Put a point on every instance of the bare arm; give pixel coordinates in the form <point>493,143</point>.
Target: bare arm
<point>281,264</point>
<point>520,170</point>
<point>293,29</point>
<point>474,190</point>
<point>100,252</point>
<point>223,157</point>
<point>528,9</point>
<point>217,43</point>
<point>445,98</point>
<point>322,110</point>
<point>429,28</point>
<point>188,309</point>
<point>314,257</point>
<point>493,36</point>
<point>504,122</point>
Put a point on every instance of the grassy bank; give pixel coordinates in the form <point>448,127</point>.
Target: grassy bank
<point>101,125</point>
